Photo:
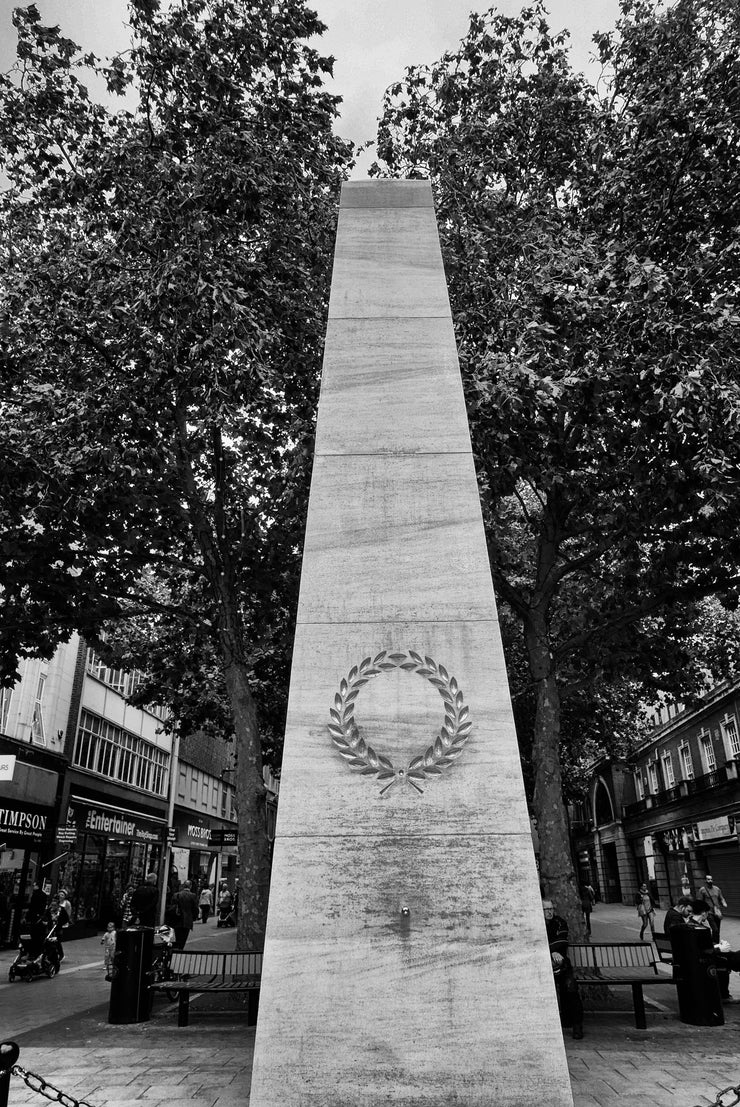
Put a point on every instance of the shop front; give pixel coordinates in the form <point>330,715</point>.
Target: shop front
<point>203,850</point>
<point>107,848</point>
<point>28,797</point>
<point>718,854</point>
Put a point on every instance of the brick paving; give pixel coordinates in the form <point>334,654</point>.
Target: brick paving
<point>208,1064</point>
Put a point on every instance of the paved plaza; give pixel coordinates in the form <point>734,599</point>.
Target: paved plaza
<point>61,1027</point>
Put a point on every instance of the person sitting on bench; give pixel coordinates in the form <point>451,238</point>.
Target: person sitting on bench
<point>569,998</point>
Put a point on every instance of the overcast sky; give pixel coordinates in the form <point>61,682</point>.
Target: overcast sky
<point>372,40</point>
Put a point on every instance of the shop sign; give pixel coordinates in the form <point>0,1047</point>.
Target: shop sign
<point>23,821</point>
<point>171,834</point>
<point>117,824</point>
<point>713,828</point>
<point>7,766</point>
<point>222,837</point>
<point>66,835</point>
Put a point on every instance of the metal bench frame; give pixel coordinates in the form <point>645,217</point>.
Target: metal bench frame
<point>210,971</point>
<point>618,963</point>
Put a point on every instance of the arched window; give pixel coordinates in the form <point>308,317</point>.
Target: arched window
<point>603,810</point>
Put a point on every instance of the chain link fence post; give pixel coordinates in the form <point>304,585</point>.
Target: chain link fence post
<point>9,1053</point>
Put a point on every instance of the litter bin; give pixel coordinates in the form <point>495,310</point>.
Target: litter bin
<point>695,974</point>
<point>129,998</point>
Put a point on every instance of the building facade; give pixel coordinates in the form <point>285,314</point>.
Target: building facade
<point>671,814</point>
<point>93,796</point>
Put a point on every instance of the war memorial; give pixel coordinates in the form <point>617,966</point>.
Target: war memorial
<point>393,971</point>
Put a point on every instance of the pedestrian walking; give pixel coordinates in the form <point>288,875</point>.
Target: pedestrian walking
<point>205,903</point>
<point>715,901</point>
<point>645,909</point>
<point>186,910</point>
<point>108,942</point>
<point>587,904</point>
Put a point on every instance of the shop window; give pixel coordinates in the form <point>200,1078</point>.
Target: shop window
<point>37,721</point>
<point>707,750</point>
<point>730,734</point>
<point>687,764</point>
<point>668,774</point>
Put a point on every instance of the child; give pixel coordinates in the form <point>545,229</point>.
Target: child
<point>108,942</point>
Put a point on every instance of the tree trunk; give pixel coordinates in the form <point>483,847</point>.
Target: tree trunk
<point>254,855</point>
<point>557,877</point>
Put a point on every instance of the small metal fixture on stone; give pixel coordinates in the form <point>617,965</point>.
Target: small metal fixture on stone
<point>447,745</point>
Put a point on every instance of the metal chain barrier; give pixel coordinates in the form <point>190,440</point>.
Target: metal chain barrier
<point>9,1052</point>
<point>44,1088</point>
<point>728,1097</point>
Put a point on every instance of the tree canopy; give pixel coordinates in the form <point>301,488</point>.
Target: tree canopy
<point>590,242</point>
<point>164,279</point>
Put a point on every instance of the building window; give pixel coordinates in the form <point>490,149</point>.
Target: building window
<point>639,785</point>
<point>707,750</point>
<point>730,734</point>
<point>112,752</point>
<point>204,793</point>
<point>124,683</point>
<point>653,776</point>
<point>223,801</point>
<point>214,795</point>
<point>687,765</point>
<point>37,720</point>
<point>670,779</point>
<point>5,694</point>
<point>182,782</point>
<point>194,782</point>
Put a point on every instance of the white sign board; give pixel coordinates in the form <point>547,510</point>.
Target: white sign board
<point>714,828</point>
<point>7,766</point>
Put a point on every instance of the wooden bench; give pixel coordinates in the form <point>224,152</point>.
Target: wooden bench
<point>209,971</point>
<point>616,963</point>
<point>662,944</point>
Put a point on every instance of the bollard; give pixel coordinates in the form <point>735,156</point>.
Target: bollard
<point>9,1053</point>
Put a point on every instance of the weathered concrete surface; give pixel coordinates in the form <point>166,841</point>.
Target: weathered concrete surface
<point>405,960</point>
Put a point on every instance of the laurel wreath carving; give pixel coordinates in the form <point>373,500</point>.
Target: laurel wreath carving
<point>447,744</point>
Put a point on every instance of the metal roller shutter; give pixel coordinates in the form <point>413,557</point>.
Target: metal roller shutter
<point>723,862</point>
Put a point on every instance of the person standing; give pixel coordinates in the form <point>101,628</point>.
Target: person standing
<point>36,904</point>
<point>645,909</point>
<point>715,901</point>
<point>186,911</point>
<point>108,942</point>
<point>205,902</point>
<point>145,901</point>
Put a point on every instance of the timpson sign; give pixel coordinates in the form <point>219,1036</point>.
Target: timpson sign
<point>24,823</point>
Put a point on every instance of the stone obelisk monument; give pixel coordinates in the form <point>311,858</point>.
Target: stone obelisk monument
<point>406,959</point>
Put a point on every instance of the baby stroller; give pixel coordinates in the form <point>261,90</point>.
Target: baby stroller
<point>226,909</point>
<point>38,954</point>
